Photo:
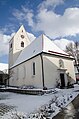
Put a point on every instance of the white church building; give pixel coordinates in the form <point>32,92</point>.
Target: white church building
<point>39,63</point>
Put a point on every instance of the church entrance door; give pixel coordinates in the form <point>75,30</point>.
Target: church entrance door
<point>62,78</point>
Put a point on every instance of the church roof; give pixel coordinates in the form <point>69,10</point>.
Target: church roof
<point>40,44</point>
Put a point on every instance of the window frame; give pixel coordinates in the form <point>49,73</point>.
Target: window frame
<point>11,45</point>
<point>22,44</point>
<point>33,68</point>
<point>61,63</point>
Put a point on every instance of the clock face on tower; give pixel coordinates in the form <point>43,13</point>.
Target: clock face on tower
<point>22,36</point>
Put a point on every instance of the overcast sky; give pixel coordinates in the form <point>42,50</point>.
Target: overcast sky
<point>58,19</point>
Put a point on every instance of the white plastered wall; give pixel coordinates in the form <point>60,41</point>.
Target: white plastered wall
<point>52,72</point>
<point>23,74</point>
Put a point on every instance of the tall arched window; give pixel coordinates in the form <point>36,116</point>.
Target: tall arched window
<point>22,44</point>
<point>11,45</point>
<point>24,72</point>
<point>17,73</point>
<point>33,69</point>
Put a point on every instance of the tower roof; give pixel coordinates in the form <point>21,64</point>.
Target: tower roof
<point>19,32</point>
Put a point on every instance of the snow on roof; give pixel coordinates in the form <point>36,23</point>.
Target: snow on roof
<point>50,47</point>
<point>4,67</point>
<point>31,50</point>
<point>40,44</point>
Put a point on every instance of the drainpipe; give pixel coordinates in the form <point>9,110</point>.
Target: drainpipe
<point>42,70</point>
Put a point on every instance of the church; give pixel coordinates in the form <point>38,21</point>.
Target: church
<point>39,63</point>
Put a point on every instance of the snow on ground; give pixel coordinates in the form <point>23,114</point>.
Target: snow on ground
<point>37,106</point>
<point>26,103</point>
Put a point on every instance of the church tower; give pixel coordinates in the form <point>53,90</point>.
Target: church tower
<point>18,42</point>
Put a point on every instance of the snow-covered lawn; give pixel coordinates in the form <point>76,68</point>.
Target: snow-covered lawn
<point>36,106</point>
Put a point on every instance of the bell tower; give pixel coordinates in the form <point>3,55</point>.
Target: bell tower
<point>18,42</point>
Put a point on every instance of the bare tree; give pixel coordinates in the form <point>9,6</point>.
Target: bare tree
<point>73,49</point>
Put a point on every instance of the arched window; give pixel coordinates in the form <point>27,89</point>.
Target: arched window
<point>33,69</point>
<point>61,63</point>
<point>24,72</point>
<point>22,44</point>
<point>11,45</point>
<point>17,73</point>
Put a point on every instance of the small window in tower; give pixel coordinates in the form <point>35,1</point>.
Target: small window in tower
<point>22,44</point>
<point>11,45</point>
